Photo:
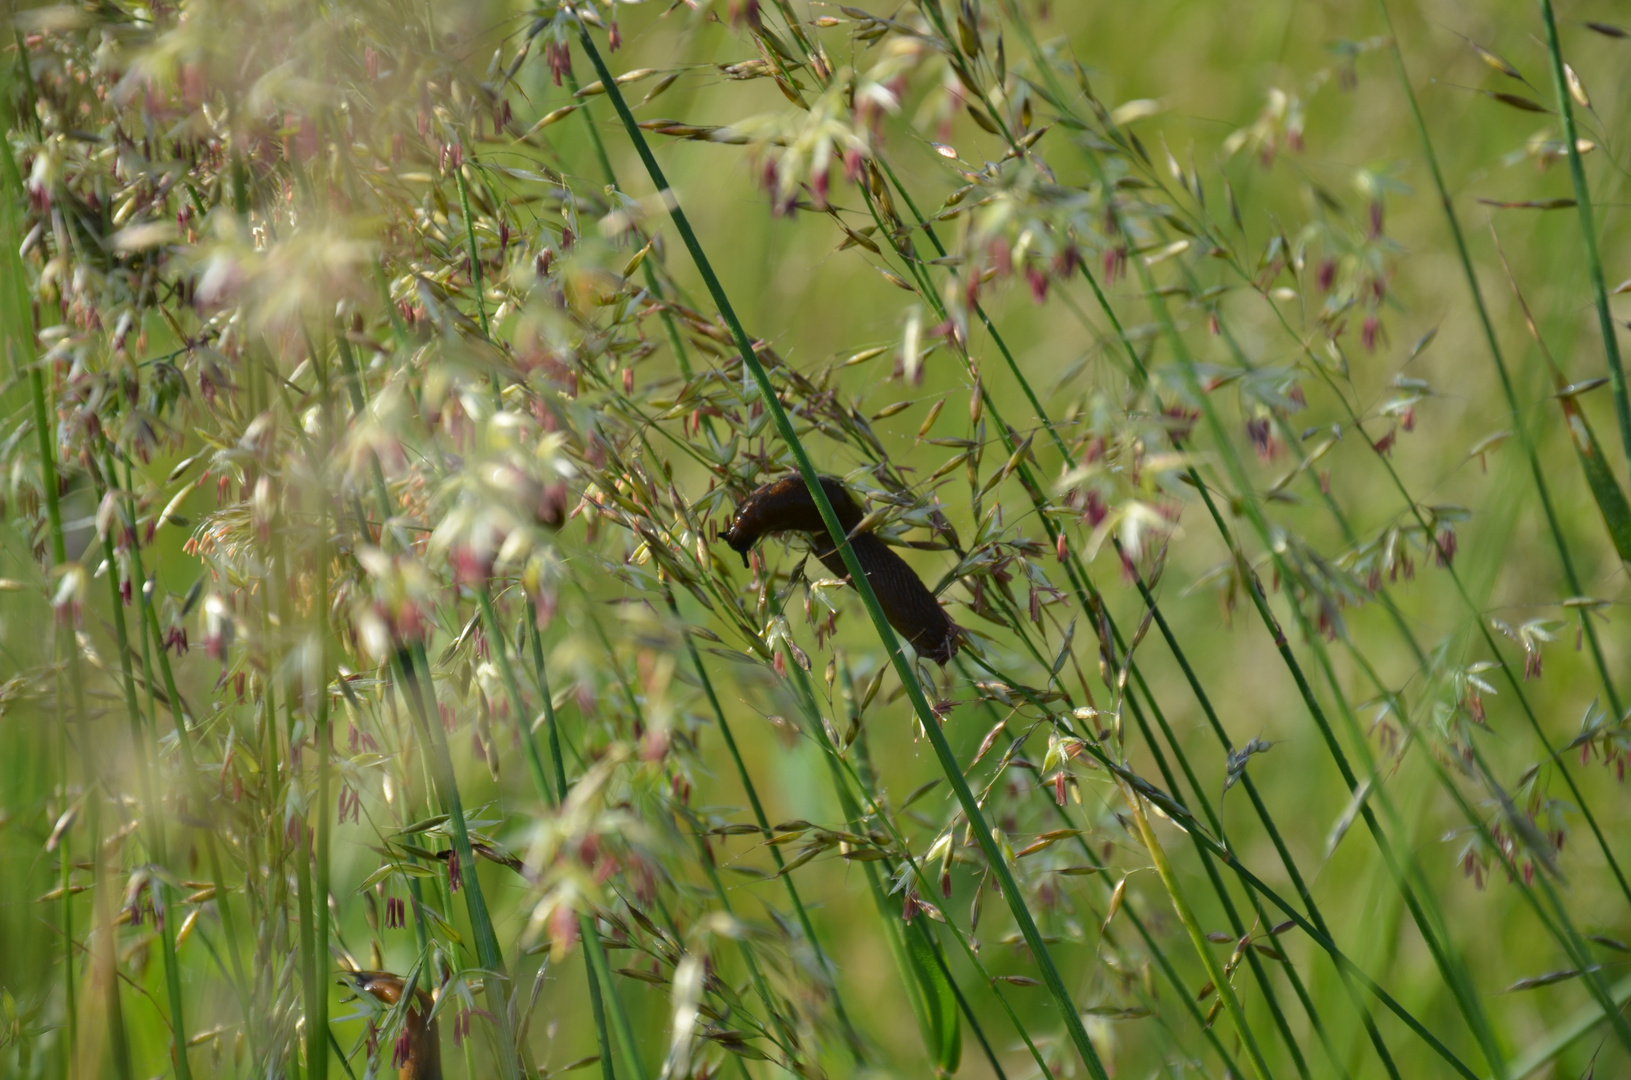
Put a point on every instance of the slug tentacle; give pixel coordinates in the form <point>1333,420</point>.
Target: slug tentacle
<point>786,505</point>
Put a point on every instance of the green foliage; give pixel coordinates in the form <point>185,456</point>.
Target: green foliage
<point>383,376</point>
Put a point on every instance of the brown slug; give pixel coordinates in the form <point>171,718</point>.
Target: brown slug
<point>418,1053</point>
<point>785,505</point>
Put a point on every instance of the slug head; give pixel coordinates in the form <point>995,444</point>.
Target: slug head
<point>785,505</point>
<point>739,542</point>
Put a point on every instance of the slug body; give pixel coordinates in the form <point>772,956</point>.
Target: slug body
<point>419,1056</point>
<point>786,505</point>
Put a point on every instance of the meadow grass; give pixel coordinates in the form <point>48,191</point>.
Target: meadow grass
<point>384,376</point>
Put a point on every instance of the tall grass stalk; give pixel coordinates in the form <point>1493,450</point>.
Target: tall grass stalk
<point>1138,365</point>
<point>1588,226</point>
<point>298,812</point>
<point>602,991</point>
<point>1566,936</point>
<point>151,810</point>
<point>749,957</point>
<point>318,1019</point>
<point>1422,908</point>
<point>594,949</point>
<point>861,803</point>
<point>1464,259</point>
<point>1514,683</point>
<point>681,356</point>
<point>1162,960</point>
<point>925,715</point>
<point>1091,600</point>
<point>1319,937</point>
<point>750,789</point>
<point>414,670</point>
<point>1197,936</point>
<point>1080,576</point>
<point>1414,507</point>
<point>15,323</point>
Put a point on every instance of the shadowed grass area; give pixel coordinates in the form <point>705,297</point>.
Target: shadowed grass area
<point>378,690</point>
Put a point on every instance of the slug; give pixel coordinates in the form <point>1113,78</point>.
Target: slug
<point>785,505</point>
<point>418,1055</point>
